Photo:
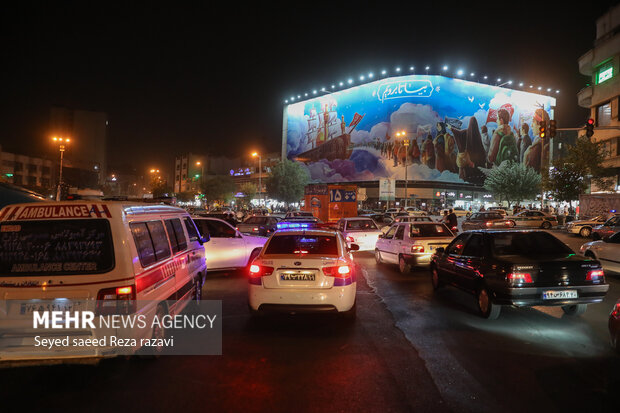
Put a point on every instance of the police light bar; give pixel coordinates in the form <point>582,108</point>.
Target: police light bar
<point>295,225</point>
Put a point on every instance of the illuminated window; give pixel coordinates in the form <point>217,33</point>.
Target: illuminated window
<point>603,113</point>
<point>605,72</point>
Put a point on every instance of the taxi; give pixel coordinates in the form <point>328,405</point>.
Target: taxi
<point>533,219</point>
<point>303,269</point>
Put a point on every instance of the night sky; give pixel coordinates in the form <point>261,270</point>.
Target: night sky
<point>214,79</point>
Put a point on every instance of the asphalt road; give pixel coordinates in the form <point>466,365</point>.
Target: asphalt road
<point>409,350</point>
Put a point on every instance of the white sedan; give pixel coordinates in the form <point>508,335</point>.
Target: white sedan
<point>411,243</point>
<point>361,231</point>
<point>607,251</point>
<point>228,249</point>
<point>303,271</point>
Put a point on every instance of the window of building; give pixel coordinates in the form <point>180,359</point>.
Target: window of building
<point>604,72</point>
<point>603,113</point>
<point>45,170</point>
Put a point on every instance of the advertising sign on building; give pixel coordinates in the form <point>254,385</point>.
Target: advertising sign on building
<point>387,189</point>
<point>455,127</point>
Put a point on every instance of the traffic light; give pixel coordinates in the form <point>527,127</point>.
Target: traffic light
<point>590,128</point>
<point>543,129</point>
<point>552,125</point>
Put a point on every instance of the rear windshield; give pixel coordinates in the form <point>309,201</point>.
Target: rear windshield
<point>361,225</point>
<point>303,244</point>
<point>300,214</point>
<point>256,220</point>
<point>56,247</point>
<point>527,244</point>
<point>429,230</point>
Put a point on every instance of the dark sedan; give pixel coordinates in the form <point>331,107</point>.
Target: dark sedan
<point>259,225</point>
<point>519,268</point>
<point>486,220</point>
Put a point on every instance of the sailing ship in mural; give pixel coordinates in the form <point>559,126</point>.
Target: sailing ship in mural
<point>328,136</point>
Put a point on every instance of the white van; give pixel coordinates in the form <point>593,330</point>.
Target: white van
<point>112,252</point>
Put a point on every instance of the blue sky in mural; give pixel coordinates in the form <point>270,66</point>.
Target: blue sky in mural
<point>373,113</point>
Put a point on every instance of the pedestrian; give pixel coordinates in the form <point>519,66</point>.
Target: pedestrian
<point>452,221</point>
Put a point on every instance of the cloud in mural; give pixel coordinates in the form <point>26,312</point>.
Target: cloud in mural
<point>411,117</point>
<point>362,165</point>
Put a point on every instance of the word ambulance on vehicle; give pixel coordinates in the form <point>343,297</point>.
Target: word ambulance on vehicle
<point>129,257</point>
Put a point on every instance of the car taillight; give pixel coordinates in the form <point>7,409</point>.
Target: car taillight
<point>260,271</point>
<point>489,224</point>
<point>595,275</point>
<point>117,300</point>
<point>616,311</point>
<point>339,271</point>
<point>519,277</point>
<point>255,229</point>
<point>417,248</point>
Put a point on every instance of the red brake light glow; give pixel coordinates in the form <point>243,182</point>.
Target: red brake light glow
<point>519,277</point>
<point>340,271</point>
<point>417,248</point>
<point>124,290</point>
<point>595,275</point>
<point>260,270</point>
<point>489,223</point>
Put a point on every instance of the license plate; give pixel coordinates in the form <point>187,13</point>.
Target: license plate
<point>47,306</point>
<point>297,277</point>
<point>559,295</point>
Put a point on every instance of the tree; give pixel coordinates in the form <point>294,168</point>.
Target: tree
<point>248,190</point>
<point>587,158</point>
<point>287,181</point>
<point>566,182</point>
<point>512,182</point>
<point>220,188</point>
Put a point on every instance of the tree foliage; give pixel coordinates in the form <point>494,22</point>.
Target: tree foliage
<point>565,182</point>
<point>512,182</point>
<point>586,158</point>
<point>219,188</point>
<point>287,181</point>
<point>248,190</point>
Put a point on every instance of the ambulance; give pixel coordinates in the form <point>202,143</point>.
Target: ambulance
<point>140,258</point>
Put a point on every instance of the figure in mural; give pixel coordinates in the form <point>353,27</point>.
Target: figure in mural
<point>343,125</point>
<point>524,141</point>
<point>428,152</point>
<point>471,154</point>
<point>503,143</point>
<point>450,149</point>
<point>414,152</point>
<point>532,155</point>
<point>486,142</point>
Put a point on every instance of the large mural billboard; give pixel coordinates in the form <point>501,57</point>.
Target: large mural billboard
<point>437,128</point>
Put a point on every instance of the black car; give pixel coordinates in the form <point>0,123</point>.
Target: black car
<point>614,327</point>
<point>519,268</point>
<point>259,225</point>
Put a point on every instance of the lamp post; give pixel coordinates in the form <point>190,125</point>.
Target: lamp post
<point>260,174</point>
<point>406,144</point>
<point>202,173</point>
<point>61,146</point>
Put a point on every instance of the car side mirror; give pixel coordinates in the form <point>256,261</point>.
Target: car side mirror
<point>440,250</point>
<point>354,247</point>
<point>205,238</point>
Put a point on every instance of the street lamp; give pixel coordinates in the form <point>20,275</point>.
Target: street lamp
<point>202,173</point>
<point>260,174</point>
<point>406,143</point>
<point>61,146</point>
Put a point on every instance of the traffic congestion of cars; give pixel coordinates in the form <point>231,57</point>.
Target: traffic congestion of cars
<point>297,263</point>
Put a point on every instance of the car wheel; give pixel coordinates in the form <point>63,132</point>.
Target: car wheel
<point>513,224</point>
<point>575,309</point>
<point>615,342</point>
<point>435,280</point>
<point>546,225</point>
<point>403,266</point>
<point>197,289</point>
<point>487,308</point>
<point>585,232</point>
<point>378,257</point>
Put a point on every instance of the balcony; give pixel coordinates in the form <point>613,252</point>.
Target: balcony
<point>584,97</point>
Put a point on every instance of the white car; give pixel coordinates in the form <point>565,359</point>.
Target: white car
<point>459,212</point>
<point>533,219</point>
<point>228,249</point>
<point>303,271</point>
<point>361,231</point>
<point>499,210</point>
<point>409,244</point>
<point>583,227</point>
<point>415,212</point>
<point>299,214</point>
<point>414,218</point>
<point>607,251</point>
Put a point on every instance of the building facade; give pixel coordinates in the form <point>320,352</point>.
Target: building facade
<point>37,174</point>
<point>602,63</point>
